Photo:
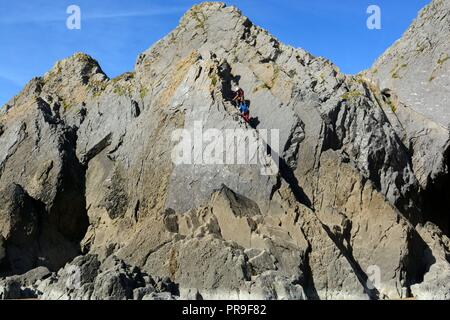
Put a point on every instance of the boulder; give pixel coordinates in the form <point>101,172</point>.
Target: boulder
<point>85,278</point>
<point>435,284</point>
<point>23,286</point>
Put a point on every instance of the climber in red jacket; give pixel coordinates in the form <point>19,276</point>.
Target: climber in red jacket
<point>239,96</point>
<point>241,104</point>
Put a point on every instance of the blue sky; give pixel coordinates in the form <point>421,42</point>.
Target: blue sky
<point>33,33</point>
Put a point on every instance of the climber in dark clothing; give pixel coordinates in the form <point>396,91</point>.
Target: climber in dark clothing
<point>239,96</point>
<point>241,104</point>
<point>245,111</point>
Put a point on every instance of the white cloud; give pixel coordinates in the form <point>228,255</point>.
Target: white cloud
<point>11,81</point>
<point>61,17</point>
<point>148,13</point>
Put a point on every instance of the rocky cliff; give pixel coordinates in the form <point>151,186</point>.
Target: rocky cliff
<point>417,66</point>
<point>414,75</point>
<point>353,210</point>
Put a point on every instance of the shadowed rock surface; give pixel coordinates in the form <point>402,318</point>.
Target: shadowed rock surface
<point>350,214</point>
<point>414,76</point>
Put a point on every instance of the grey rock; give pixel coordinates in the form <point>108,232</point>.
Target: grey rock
<point>31,277</point>
<point>159,296</point>
<point>86,278</point>
<point>92,158</point>
<point>140,293</point>
<point>30,239</point>
<point>9,289</point>
<point>414,74</point>
<point>272,286</point>
<point>435,284</point>
<point>262,262</point>
<point>190,294</point>
<point>41,180</point>
<point>417,66</point>
<point>19,220</point>
<point>220,275</point>
<point>23,286</point>
<point>74,281</point>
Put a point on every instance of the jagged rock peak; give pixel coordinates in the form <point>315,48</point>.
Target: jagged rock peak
<point>222,33</point>
<point>70,81</point>
<point>78,66</point>
<point>205,10</point>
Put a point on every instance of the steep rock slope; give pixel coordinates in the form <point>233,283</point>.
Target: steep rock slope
<point>344,202</point>
<point>417,67</point>
<point>414,75</point>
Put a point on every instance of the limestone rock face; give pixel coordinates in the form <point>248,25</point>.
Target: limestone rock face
<point>29,238</point>
<point>435,285</point>
<point>85,278</point>
<point>327,194</point>
<point>417,67</point>
<point>414,78</point>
